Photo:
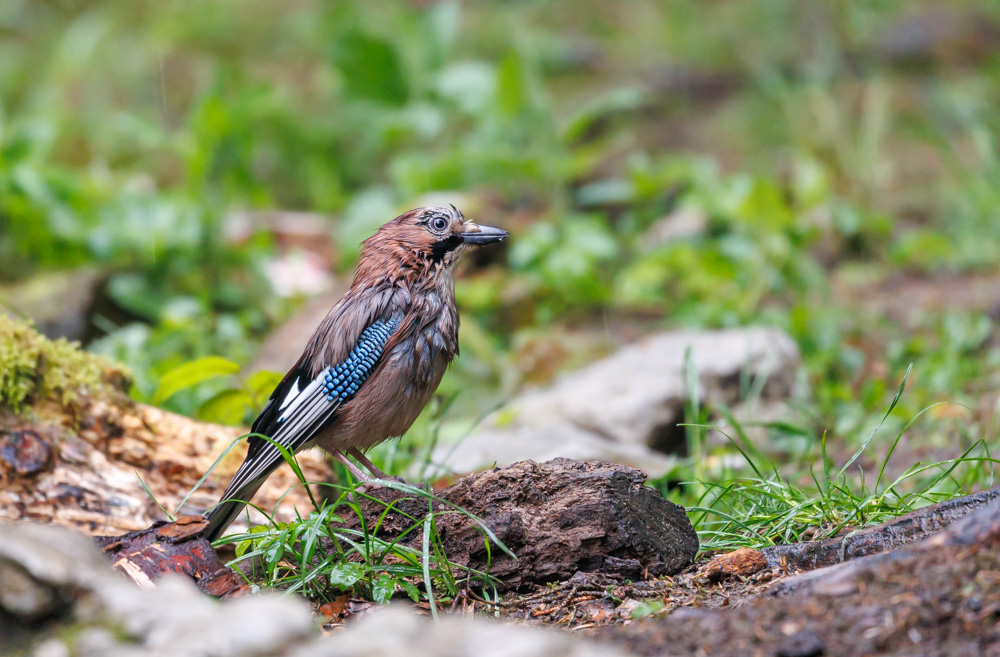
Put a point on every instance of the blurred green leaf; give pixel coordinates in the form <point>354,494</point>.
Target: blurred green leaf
<point>191,374</point>
<point>614,102</point>
<point>371,68</point>
<point>261,384</point>
<point>512,91</point>
<point>228,407</point>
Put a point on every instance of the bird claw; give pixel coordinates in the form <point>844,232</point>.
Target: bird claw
<point>372,484</point>
<point>366,487</point>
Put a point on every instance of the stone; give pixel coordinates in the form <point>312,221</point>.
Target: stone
<point>64,579</point>
<point>398,632</point>
<point>626,408</point>
<point>59,303</point>
<point>24,452</point>
<point>103,615</point>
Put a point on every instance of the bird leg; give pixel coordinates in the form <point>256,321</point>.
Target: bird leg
<point>358,473</point>
<point>366,462</point>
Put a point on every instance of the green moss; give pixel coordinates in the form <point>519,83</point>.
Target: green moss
<point>34,368</point>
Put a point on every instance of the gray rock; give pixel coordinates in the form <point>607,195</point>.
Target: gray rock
<point>58,302</point>
<point>626,408</point>
<point>64,579</point>
<point>401,632</point>
<point>103,615</point>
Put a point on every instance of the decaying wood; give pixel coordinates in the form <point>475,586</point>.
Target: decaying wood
<point>79,467</point>
<point>738,563</point>
<point>938,596</point>
<point>905,529</point>
<point>978,529</point>
<point>559,517</point>
<point>172,547</point>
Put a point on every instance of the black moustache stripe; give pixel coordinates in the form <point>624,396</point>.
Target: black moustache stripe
<point>441,247</point>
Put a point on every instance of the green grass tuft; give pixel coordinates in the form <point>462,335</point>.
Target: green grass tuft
<point>318,557</point>
<point>770,508</point>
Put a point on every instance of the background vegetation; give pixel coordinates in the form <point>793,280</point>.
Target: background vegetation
<point>831,168</point>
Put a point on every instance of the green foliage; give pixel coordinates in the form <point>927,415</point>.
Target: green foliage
<point>371,69</point>
<point>768,508</point>
<point>316,557</point>
<point>191,374</point>
<point>563,260</point>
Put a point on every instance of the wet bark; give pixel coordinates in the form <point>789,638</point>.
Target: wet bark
<point>905,529</point>
<point>175,547</point>
<point>559,517</point>
<point>938,596</point>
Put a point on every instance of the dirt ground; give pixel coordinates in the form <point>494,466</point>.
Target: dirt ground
<point>938,604</point>
<point>589,601</point>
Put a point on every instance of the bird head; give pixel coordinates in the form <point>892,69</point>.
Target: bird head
<point>431,236</point>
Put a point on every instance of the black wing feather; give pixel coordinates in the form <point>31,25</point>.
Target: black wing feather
<point>296,412</point>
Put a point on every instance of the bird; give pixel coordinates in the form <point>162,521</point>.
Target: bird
<point>374,361</point>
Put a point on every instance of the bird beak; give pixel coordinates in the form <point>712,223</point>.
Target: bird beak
<point>479,235</point>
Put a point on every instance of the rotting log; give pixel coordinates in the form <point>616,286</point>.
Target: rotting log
<point>938,596</point>
<point>559,517</point>
<point>73,446</point>
<point>978,528</point>
<point>913,526</point>
<point>172,547</point>
<point>81,469</point>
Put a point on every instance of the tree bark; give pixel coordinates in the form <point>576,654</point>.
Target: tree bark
<point>559,517</point>
<point>913,526</point>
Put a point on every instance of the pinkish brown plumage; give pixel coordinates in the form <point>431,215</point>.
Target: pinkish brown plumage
<point>377,357</point>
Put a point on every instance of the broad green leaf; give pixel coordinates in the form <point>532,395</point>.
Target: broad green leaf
<point>410,588</point>
<point>382,588</point>
<point>191,374</point>
<point>346,575</point>
<point>261,384</point>
<point>228,407</point>
<point>371,68</point>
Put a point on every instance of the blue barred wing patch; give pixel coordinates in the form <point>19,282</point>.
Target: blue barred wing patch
<point>300,408</point>
<point>342,381</point>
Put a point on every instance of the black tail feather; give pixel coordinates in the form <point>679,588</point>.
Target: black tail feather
<point>225,512</point>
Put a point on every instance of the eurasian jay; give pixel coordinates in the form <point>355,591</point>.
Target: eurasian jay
<point>375,360</point>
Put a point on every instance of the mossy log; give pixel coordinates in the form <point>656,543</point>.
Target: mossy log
<point>73,446</point>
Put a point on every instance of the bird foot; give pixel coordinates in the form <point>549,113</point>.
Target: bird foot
<point>370,485</point>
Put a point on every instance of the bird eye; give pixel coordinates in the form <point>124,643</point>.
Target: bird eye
<point>438,224</point>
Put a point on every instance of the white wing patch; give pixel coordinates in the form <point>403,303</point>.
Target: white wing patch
<point>292,394</point>
<point>296,398</point>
